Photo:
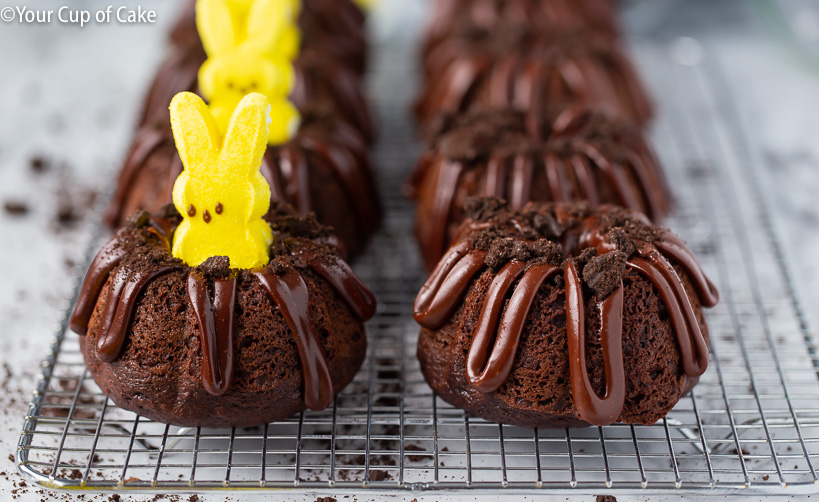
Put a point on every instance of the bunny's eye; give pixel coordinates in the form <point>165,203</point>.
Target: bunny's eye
<point>219,208</point>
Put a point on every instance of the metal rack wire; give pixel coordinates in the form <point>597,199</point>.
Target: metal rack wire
<point>750,426</point>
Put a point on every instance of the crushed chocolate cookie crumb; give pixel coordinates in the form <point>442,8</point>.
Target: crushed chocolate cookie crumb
<point>547,225</point>
<point>603,273</point>
<point>217,267</point>
<point>139,219</point>
<point>621,241</point>
<point>482,208</point>
<point>282,218</point>
<point>169,212</point>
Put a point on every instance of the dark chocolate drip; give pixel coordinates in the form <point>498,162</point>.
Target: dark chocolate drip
<point>343,280</point>
<point>496,177</point>
<point>556,174</point>
<point>651,188</point>
<point>674,247</point>
<point>499,82</point>
<point>590,407</point>
<point>123,296</point>
<point>435,241</point>
<point>358,185</point>
<point>500,325</point>
<point>487,372</point>
<point>289,292</point>
<point>293,166</point>
<point>109,257</point>
<point>439,309</point>
<point>215,329</point>
<point>585,177</point>
<point>693,346</point>
<point>430,292</point>
<point>147,141</point>
<point>522,173</point>
<point>452,91</point>
<point>615,174</point>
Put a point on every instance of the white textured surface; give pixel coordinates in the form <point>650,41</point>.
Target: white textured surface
<point>70,95</point>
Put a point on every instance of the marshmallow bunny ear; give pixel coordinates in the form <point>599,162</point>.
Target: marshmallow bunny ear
<point>246,138</point>
<point>194,130</point>
<point>267,21</point>
<point>214,20</point>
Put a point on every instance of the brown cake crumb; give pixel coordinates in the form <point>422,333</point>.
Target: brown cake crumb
<point>39,164</point>
<point>15,208</point>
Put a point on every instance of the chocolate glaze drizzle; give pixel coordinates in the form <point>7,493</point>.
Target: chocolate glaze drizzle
<point>215,316</point>
<point>570,160</point>
<point>530,73</point>
<point>513,290</point>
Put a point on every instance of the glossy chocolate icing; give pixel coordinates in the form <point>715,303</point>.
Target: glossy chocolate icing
<point>284,284</point>
<point>652,252</point>
<point>576,147</point>
<point>529,69</point>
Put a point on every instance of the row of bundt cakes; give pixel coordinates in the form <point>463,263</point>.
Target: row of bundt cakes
<point>209,343</point>
<point>548,305</point>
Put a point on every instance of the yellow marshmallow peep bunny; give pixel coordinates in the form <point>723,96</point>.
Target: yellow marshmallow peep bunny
<point>221,193</point>
<point>250,44</point>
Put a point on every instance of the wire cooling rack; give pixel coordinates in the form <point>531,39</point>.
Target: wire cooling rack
<point>750,426</point>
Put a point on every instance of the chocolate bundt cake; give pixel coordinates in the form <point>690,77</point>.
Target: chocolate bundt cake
<point>319,82</point>
<point>336,28</point>
<point>454,18</point>
<point>214,346</point>
<point>526,69</point>
<point>558,315</point>
<point>325,168</point>
<point>564,154</point>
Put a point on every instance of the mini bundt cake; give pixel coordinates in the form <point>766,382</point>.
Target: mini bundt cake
<point>564,154</point>
<point>214,346</point>
<point>318,82</point>
<point>527,69</point>
<point>336,28</point>
<point>325,168</point>
<point>558,315</point>
<point>453,18</point>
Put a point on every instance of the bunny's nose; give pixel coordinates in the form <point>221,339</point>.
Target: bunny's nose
<point>206,216</point>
